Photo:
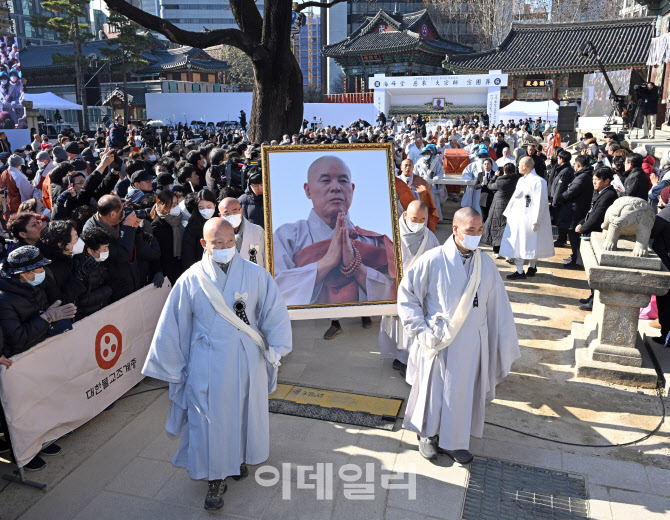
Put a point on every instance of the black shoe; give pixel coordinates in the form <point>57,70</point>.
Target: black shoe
<point>586,300</point>
<point>366,322</point>
<point>428,447</point>
<point>516,276</point>
<point>244,472</point>
<point>532,271</point>
<point>460,456</point>
<point>215,493</point>
<point>560,244</point>
<point>35,465</point>
<point>403,370</point>
<point>332,332</point>
<point>51,449</point>
<point>588,306</point>
<point>397,364</point>
<point>574,266</point>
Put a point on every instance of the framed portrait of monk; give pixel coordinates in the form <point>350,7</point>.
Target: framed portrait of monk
<point>331,228</point>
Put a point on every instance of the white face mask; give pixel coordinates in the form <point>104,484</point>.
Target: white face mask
<point>414,227</point>
<point>3,81</point>
<point>39,278</point>
<point>152,158</point>
<point>14,79</point>
<point>95,154</point>
<point>206,213</point>
<point>175,211</point>
<point>78,247</point>
<point>223,256</point>
<point>470,242</point>
<point>234,220</point>
<point>103,256</point>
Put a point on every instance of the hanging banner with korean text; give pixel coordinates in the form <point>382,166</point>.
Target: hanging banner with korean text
<point>68,379</point>
<point>493,105</point>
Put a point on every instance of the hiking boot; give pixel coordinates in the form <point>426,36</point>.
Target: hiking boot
<point>532,271</point>
<point>332,331</point>
<point>366,322</point>
<point>244,472</point>
<point>51,449</point>
<point>35,465</point>
<point>428,447</point>
<point>460,456</point>
<point>214,499</point>
<point>516,276</point>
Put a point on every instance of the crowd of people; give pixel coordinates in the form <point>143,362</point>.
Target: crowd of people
<point>90,220</point>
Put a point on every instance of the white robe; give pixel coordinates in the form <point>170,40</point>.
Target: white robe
<point>429,172</point>
<point>298,284</point>
<point>449,392</point>
<point>529,205</point>
<point>471,197</point>
<point>393,344</point>
<point>253,239</point>
<point>218,376</point>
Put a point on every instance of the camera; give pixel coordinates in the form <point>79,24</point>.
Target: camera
<point>139,213</point>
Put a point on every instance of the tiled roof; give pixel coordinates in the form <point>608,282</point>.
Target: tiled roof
<point>556,47</point>
<point>160,58</point>
<point>363,40</point>
<point>136,97</point>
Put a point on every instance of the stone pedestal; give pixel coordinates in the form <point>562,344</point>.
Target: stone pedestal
<point>608,345</point>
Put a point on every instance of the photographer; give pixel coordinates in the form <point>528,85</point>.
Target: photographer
<point>216,173</point>
<point>648,95</point>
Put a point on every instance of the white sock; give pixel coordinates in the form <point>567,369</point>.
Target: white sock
<point>519,265</point>
<point>531,263</point>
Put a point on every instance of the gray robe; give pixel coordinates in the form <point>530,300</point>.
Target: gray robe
<point>449,392</point>
<point>218,376</point>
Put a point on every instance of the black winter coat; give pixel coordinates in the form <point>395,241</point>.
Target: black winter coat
<point>574,203</point>
<point>563,175</point>
<point>503,187</point>
<point>20,307</point>
<point>170,265</point>
<point>98,291</point>
<point>636,184</point>
<point>60,284</point>
<point>95,187</point>
<point>596,215</point>
<point>252,207</point>
<point>660,233</point>
<point>122,259</point>
<point>191,249</point>
<point>540,164</point>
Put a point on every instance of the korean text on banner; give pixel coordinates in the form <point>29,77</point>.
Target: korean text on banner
<point>65,381</point>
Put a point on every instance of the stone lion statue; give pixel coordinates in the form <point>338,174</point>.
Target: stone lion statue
<point>629,217</point>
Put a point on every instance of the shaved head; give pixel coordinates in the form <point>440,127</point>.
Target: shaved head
<point>526,165</point>
<point>416,211</point>
<point>329,187</point>
<point>462,216</point>
<point>229,205</point>
<point>217,228</point>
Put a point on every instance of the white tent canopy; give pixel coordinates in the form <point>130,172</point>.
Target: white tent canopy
<point>50,101</point>
<point>547,110</point>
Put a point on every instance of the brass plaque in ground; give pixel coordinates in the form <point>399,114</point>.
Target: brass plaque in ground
<point>337,406</point>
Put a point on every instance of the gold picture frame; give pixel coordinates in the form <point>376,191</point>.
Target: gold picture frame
<point>270,176</point>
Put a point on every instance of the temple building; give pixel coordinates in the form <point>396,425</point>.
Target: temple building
<point>544,60</point>
<point>391,44</point>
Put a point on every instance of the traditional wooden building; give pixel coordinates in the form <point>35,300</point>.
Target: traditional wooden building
<point>544,60</point>
<point>391,44</point>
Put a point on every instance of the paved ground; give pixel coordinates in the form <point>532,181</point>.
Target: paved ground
<point>118,465</point>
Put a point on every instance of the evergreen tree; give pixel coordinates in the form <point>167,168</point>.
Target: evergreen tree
<point>126,49</point>
<point>66,22</point>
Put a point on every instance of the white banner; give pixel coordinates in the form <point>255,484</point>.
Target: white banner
<point>493,105</point>
<point>430,82</point>
<point>65,381</point>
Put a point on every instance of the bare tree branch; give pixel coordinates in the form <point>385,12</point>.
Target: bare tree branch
<point>317,4</point>
<point>248,18</point>
<point>233,37</point>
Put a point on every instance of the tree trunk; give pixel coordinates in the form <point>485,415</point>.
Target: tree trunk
<point>125,93</point>
<point>278,100</point>
<point>79,77</point>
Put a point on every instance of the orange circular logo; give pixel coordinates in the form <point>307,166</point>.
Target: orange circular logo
<point>107,346</point>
